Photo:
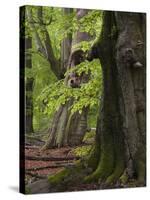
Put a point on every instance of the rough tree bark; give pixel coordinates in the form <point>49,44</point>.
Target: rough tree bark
<point>29,88</point>
<point>121,125</point>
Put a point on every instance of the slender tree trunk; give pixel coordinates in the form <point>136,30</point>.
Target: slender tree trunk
<point>43,47</point>
<point>120,144</point>
<point>66,44</point>
<point>68,129</point>
<point>29,88</point>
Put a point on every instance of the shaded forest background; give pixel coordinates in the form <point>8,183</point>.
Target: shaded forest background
<point>47,85</point>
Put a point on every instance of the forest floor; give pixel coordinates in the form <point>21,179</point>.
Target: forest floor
<point>39,164</point>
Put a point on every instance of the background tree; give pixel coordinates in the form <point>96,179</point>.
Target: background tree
<point>75,89</point>
<point>70,128</point>
<point>52,30</point>
<point>65,133</point>
<point>29,87</point>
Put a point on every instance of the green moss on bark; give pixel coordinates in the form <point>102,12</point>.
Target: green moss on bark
<point>140,168</point>
<point>119,168</point>
<point>93,158</point>
<point>124,178</point>
<point>27,190</point>
<point>59,177</point>
<point>68,176</point>
<point>105,166</point>
<point>140,160</point>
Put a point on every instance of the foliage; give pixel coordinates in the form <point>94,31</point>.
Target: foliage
<point>86,96</point>
<point>91,23</point>
<point>89,135</point>
<point>48,92</point>
<point>43,76</point>
<point>82,151</point>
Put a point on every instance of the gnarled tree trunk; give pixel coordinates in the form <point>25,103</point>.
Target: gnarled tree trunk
<point>67,128</point>
<point>121,125</point>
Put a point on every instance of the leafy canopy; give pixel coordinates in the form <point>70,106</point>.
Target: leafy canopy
<point>87,95</point>
<point>48,92</point>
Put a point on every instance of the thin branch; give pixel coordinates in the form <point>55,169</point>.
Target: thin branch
<point>55,64</point>
<point>36,36</point>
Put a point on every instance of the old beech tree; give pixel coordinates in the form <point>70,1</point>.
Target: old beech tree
<point>65,129</point>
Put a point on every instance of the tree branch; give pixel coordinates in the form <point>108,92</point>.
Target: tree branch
<point>36,36</point>
<point>46,50</point>
<point>55,64</point>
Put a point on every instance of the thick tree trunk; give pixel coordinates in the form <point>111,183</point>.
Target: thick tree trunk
<point>68,129</point>
<point>29,88</point>
<point>121,125</point>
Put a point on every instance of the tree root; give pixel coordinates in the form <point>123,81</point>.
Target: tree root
<point>59,177</point>
<point>114,177</point>
<point>103,170</point>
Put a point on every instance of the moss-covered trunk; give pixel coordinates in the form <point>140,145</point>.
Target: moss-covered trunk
<point>121,123</point>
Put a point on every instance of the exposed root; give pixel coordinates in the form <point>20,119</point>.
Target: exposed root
<point>103,170</point>
<point>59,177</point>
<point>118,170</point>
<point>113,178</point>
<point>141,170</point>
<point>44,147</point>
<point>93,158</point>
<point>67,177</point>
<point>124,178</point>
